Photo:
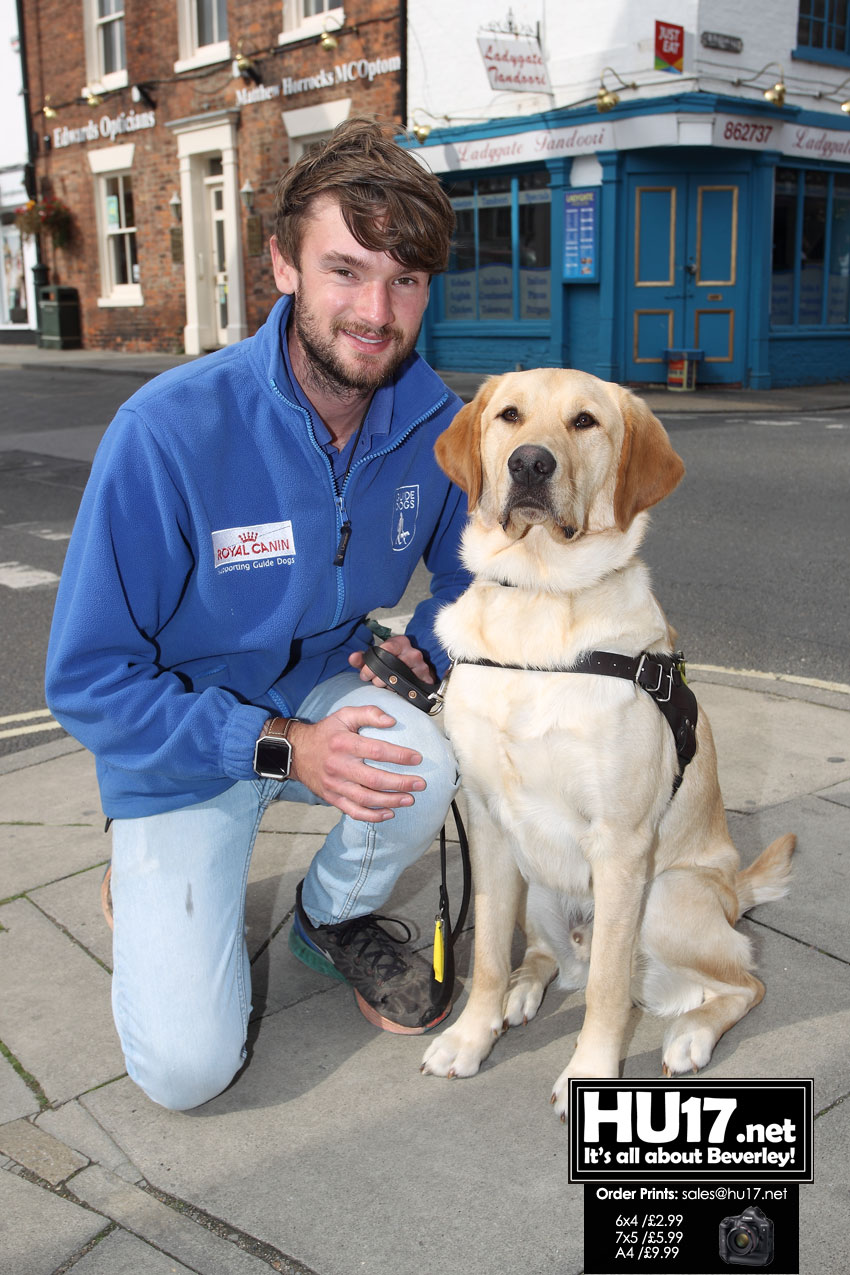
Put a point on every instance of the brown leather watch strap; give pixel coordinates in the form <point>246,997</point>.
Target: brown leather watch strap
<point>278,726</point>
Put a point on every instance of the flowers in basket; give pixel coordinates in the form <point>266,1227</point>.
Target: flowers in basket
<point>48,215</point>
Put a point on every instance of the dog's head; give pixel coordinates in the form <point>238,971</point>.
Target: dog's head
<point>560,449</point>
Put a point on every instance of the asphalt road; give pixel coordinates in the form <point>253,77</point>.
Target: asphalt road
<point>748,556</point>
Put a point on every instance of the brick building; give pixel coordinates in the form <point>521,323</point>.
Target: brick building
<point>163,125</point>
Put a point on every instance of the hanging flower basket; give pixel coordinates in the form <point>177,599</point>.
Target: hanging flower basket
<point>50,216</point>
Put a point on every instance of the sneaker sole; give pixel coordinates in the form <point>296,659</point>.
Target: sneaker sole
<point>313,959</point>
<point>387,1025</point>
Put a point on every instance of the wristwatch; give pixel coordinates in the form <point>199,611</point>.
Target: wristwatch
<point>273,751</point>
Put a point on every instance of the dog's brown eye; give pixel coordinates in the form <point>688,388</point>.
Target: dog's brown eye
<point>509,414</point>
<point>585,421</point>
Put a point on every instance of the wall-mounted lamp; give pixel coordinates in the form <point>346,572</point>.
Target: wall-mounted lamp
<point>776,93</point>
<point>421,132</point>
<point>607,99</point>
<point>246,194</point>
<point>141,93</point>
<point>246,67</point>
<point>90,93</point>
<point>831,95</point>
<point>328,39</point>
<point>47,110</point>
<point>176,207</point>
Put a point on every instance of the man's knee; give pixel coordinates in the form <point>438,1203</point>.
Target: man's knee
<point>187,1073</point>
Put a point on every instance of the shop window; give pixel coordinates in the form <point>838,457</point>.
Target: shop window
<point>13,290</point>
<point>202,33</point>
<point>106,55</point>
<point>303,18</point>
<point>810,283</point>
<point>823,31</point>
<point>499,268</point>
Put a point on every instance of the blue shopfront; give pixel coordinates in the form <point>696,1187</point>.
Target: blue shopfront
<point>695,222</point>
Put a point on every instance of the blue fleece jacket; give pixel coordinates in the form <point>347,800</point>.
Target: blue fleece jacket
<point>199,593</point>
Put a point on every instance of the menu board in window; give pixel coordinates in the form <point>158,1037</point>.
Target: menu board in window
<point>581,235</point>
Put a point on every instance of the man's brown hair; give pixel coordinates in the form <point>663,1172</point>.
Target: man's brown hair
<point>388,201</point>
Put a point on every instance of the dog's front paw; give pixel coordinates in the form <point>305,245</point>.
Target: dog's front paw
<point>583,1065</point>
<point>460,1050</point>
<point>523,1000</point>
<point>687,1050</point>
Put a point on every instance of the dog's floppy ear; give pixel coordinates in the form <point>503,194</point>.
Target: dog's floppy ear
<point>458,449</point>
<point>649,468</point>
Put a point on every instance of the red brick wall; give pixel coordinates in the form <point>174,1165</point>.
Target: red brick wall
<point>57,66</point>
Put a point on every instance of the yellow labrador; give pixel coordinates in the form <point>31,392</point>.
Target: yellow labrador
<point>569,777</point>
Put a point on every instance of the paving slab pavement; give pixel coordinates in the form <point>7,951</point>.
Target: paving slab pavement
<point>330,1153</point>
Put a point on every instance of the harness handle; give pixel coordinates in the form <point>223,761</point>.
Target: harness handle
<point>425,696</point>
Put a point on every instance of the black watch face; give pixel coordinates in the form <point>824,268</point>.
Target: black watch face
<point>272,757</point>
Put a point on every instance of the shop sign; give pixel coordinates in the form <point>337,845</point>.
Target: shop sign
<point>669,47</point>
<point>725,43</point>
<point>341,73</point>
<point>517,148</point>
<point>259,93</point>
<point>789,139</point>
<point>514,65</point>
<point>110,126</point>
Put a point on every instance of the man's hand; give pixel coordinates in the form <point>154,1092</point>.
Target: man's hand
<point>329,758</point>
<point>400,646</point>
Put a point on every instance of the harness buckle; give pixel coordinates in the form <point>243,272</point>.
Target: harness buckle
<point>651,690</point>
<point>664,675</point>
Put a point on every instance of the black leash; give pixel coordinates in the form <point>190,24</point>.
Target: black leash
<point>399,678</point>
<point>661,676</point>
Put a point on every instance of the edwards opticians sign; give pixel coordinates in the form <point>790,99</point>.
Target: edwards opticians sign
<point>110,126</point>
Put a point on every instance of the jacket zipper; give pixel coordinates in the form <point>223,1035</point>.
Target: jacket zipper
<point>343,522</point>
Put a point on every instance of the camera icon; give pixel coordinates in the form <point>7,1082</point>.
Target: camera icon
<point>747,1240</point>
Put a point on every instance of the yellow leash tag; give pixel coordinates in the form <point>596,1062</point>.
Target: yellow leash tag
<point>439,951</point>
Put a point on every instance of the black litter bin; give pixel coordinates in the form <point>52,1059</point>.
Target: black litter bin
<point>59,318</point>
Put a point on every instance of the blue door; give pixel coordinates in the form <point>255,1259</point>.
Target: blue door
<point>686,282</point>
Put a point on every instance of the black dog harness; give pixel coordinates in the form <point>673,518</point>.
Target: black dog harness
<point>661,676</point>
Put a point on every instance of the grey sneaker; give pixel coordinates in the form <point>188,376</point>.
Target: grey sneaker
<point>396,990</point>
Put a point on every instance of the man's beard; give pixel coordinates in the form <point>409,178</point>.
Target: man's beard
<point>326,369</point>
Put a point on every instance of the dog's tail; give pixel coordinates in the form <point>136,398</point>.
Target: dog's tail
<point>769,877</point>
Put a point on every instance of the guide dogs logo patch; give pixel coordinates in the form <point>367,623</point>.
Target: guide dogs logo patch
<point>405,513</point>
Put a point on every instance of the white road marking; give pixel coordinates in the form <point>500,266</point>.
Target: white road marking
<point>17,575</point>
<point>840,687</point>
<point>37,726</point>
<point>38,529</point>
<point>25,717</point>
<point>30,730</point>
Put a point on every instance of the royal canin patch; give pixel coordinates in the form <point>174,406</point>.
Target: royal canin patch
<point>253,544</point>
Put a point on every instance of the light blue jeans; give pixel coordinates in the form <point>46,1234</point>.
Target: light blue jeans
<point>181,987</point>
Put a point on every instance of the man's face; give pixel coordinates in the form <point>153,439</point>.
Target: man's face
<point>356,313</point>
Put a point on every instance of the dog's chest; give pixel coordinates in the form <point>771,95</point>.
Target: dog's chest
<point>552,755</point>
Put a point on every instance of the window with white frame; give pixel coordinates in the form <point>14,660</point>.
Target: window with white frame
<point>202,33</point>
<point>120,230</point>
<point>106,53</point>
<point>116,225</point>
<point>310,17</point>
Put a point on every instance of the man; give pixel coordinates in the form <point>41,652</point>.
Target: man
<point>244,514</point>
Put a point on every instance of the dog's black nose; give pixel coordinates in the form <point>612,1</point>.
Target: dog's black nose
<point>529,466</point>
